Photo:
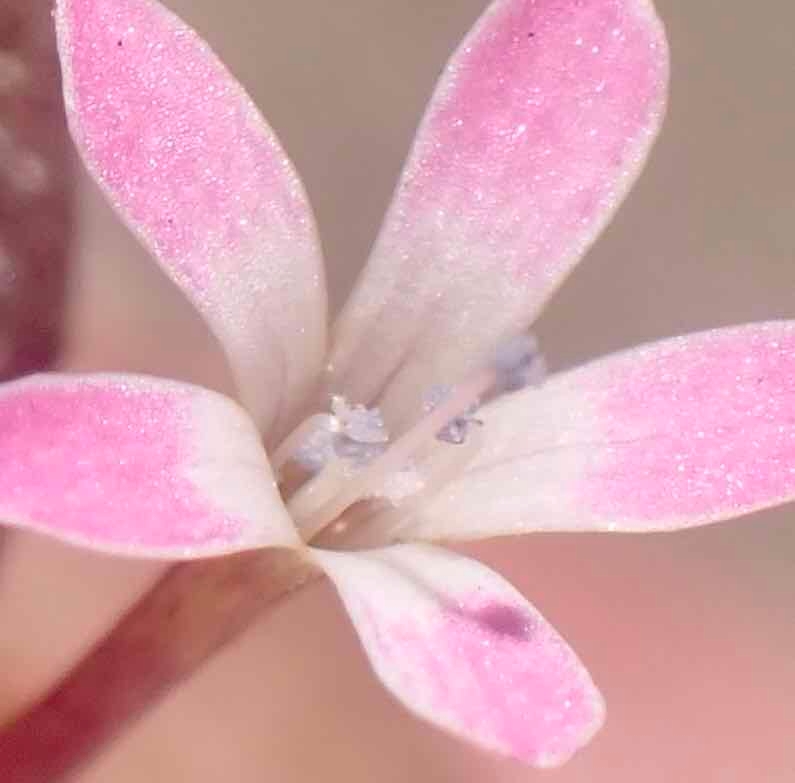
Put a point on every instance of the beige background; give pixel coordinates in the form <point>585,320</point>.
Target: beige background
<point>692,636</point>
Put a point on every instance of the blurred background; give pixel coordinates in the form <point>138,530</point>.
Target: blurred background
<point>691,636</point>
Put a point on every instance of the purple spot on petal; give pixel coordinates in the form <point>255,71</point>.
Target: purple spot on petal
<point>499,673</point>
<point>504,620</point>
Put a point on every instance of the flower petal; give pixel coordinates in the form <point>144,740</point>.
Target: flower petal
<point>679,433</point>
<point>538,127</point>
<point>193,169</point>
<point>136,465</point>
<point>459,646</point>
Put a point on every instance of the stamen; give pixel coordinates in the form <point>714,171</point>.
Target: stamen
<point>363,434</point>
<point>310,444</point>
<point>360,424</point>
<point>315,494</point>
<point>398,519</point>
<point>356,466</point>
<point>401,485</point>
<point>351,432</point>
<point>455,431</point>
<point>357,454</point>
<point>400,453</point>
<point>337,535</point>
<point>518,363</point>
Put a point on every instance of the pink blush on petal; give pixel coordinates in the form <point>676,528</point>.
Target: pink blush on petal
<point>193,169</point>
<point>702,427</point>
<point>536,150</point>
<point>141,87</point>
<point>105,465</point>
<point>500,673</point>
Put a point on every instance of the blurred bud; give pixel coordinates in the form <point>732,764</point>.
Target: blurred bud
<point>35,189</point>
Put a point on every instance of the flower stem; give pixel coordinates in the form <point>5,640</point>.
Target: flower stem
<point>191,613</point>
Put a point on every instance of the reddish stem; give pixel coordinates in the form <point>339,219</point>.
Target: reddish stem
<point>193,611</point>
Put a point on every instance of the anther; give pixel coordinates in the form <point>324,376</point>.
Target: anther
<point>353,460</point>
<point>318,447</point>
<point>352,433</point>
<point>362,435</point>
<point>518,363</point>
<point>360,424</point>
<point>456,429</point>
<point>354,453</point>
<point>310,444</point>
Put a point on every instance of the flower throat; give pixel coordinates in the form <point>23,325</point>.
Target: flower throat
<point>348,483</point>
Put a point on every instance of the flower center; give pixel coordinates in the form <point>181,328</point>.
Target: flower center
<point>349,484</point>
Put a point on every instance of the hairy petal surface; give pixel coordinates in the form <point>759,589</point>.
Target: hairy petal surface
<point>190,165</point>
<point>459,646</point>
<point>136,465</point>
<point>679,433</point>
<point>538,128</point>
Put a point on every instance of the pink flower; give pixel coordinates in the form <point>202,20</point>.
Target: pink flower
<point>537,129</point>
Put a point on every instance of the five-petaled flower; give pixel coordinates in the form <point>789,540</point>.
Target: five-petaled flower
<point>428,419</point>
